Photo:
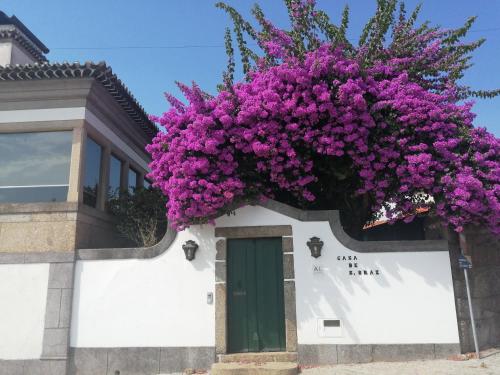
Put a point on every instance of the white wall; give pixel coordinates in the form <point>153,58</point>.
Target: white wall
<point>410,301</point>
<point>23,294</point>
<point>5,53</point>
<point>162,301</point>
<point>154,302</point>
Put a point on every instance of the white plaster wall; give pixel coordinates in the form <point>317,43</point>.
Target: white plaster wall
<point>411,301</point>
<point>162,301</point>
<point>23,295</point>
<point>147,303</point>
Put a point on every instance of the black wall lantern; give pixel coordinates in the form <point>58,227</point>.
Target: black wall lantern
<point>315,245</point>
<point>190,248</point>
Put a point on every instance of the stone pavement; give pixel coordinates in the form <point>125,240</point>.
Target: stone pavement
<point>489,364</point>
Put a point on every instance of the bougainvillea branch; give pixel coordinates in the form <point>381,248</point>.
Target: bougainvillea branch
<point>319,123</point>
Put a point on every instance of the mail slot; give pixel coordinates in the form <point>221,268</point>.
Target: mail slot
<point>240,293</point>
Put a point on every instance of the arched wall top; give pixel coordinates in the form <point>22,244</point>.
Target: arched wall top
<point>331,216</point>
<point>131,252</point>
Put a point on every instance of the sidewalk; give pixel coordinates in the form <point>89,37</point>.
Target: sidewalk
<point>489,364</point>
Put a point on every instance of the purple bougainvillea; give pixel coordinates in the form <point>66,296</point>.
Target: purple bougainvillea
<point>410,145</point>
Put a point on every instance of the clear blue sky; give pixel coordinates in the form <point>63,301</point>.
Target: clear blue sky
<point>98,30</point>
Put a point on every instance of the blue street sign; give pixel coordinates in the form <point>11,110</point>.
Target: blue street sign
<point>464,263</point>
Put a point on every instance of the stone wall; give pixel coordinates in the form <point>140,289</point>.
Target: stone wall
<point>37,227</point>
<point>61,226</point>
<point>484,279</point>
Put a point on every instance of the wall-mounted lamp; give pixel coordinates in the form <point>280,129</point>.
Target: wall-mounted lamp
<point>315,245</point>
<point>190,248</point>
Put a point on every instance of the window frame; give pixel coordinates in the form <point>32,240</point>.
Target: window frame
<point>27,186</point>
<point>100,172</point>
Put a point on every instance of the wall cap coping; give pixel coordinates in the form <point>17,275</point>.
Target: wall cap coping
<point>42,207</point>
<point>37,257</point>
<point>129,253</point>
<point>331,216</point>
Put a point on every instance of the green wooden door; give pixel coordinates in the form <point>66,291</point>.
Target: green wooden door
<point>255,307</point>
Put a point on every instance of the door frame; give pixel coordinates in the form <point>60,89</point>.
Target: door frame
<point>225,233</point>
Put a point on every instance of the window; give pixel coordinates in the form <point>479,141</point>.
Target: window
<point>91,182</point>
<point>34,167</point>
<point>115,177</point>
<point>132,180</point>
<point>147,183</point>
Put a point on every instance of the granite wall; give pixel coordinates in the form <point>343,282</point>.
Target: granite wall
<point>484,277</point>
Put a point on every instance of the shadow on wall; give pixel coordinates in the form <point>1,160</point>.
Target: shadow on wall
<point>405,294</point>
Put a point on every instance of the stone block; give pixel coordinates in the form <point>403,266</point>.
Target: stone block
<point>49,257</point>
<point>402,352</point>
<point>354,353</point>
<point>61,275</point>
<point>288,266</point>
<point>45,367</point>
<point>318,354</point>
<point>53,308</point>
<point>37,236</point>
<point>220,318</point>
<point>254,231</point>
<point>258,357</point>
<point>270,368</point>
<point>50,217</point>
<point>221,248</point>
<point>287,244</point>
<point>290,316</point>
<point>65,313</point>
<point>88,361</point>
<point>11,258</point>
<point>133,361</point>
<point>178,359</point>
<point>291,335</point>
<point>11,367</point>
<point>220,272</point>
<point>55,343</point>
<point>446,350</point>
<point>15,218</point>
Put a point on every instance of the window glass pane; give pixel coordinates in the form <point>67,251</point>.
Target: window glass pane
<point>132,181</point>
<point>147,184</point>
<point>92,172</point>
<point>34,167</point>
<point>115,174</point>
